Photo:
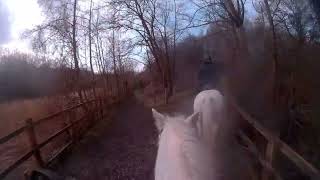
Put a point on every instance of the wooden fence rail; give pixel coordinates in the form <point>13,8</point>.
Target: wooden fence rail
<point>274,144</point>
<point>35,147</point>
<point>23,128</point>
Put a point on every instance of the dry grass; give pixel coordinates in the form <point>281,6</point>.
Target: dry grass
<point>13,115</point>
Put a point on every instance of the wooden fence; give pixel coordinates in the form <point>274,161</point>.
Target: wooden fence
<point>273,145</point>
<point>94,110</point>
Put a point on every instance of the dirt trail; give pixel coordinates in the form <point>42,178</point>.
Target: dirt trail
<point>124,149</point>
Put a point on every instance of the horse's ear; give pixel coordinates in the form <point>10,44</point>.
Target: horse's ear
<point>159,119</point>
<point>194,119</point>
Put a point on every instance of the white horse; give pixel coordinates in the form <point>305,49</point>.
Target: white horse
<point>210,105</point>
<point>182,155</point>
<point>186,144</point>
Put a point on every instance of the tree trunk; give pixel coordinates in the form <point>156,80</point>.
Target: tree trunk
<point>121,71</point>
<point>74,48</point>
<point>102,60</point>
<point>276,77</point>
<point>90,53</point>
<point>115,64</point>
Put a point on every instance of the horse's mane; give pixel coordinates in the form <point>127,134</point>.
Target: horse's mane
<point>179,127</point>
<point>192,149</point>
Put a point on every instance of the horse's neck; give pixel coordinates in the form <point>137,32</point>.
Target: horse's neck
<point>199,159</point>
<point>182,159</point>
<point>170,162</point>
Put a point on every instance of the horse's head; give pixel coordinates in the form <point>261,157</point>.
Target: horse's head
<point>180,126</point>
<point>181,153</point>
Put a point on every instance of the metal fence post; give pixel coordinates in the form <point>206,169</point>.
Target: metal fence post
<point>33,142</point>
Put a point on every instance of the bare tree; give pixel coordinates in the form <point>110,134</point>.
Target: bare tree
<point>90,51</point>
<point>274,48</point>
<point>114,60</point>
<point>152,22</point>
<point>59,31</point>
<point>316,8</point>
<point>75,49</point>
<point>101,58</point>
<point>296,18</point>
<point>228,14</point>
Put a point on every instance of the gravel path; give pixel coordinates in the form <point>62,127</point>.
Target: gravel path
<point>124,149</point>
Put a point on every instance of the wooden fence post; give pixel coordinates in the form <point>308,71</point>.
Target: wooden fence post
<point>101,108</point>
<point>269,156</point>
<point>33,142</point>
<point>70,131</point>
<point>92,111</point>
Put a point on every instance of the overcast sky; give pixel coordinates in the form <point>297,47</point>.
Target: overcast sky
<point>15,17</point>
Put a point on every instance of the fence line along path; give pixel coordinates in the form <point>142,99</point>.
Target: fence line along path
<point>94,110</point>
<point>273,145</point>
